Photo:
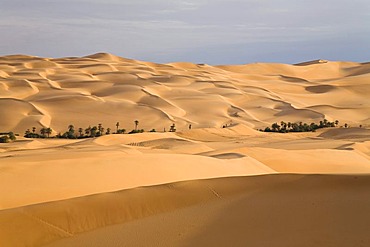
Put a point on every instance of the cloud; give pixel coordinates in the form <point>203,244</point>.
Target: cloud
<point>160,30</point>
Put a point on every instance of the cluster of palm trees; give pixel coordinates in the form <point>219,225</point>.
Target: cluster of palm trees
<point>44,132</point>
<point>136,130</point>
<point>99,130</point>
<point>284,127</point>
<point>89,132</point>
<point>94,131</point>
<point>7,137</point>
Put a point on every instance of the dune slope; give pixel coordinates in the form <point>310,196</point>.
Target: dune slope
<point>271,210</point>
<point>42,170</point>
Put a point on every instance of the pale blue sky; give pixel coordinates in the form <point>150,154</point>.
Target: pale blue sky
<point>200,31</point>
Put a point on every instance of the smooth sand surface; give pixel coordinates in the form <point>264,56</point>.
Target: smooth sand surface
<point>207,186</point>
<point>270,210</point>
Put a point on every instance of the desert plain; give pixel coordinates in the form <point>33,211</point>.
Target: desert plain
<point>218,180</point>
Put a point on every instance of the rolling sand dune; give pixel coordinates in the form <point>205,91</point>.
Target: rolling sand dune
<point>219,183</point>
<point>184,93</point>
<point>295,210</point>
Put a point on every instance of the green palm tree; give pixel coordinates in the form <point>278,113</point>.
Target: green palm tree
<point>71,131</point>
<point>275,127</point>
<point>48,131</point>
<point>80,130</point>
<point>88,131</point>
<point>43,132</point>
<point>117,125</point>
<point>136,124</point>
<point>325,122</point>
<point>93,131</point>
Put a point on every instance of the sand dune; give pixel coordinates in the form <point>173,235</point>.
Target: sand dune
<point>113,162</point>
<point>219,183</point>
<point>71,168</point>
<point>261,211</point>
<point>203,95</point>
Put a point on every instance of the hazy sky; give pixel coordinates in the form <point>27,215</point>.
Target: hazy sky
<point>200,31</point>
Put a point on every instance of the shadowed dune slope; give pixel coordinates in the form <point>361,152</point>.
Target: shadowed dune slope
<point>45,92</point>
<point>270,210</point>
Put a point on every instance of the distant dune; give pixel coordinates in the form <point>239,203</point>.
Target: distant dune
<point>216,181</point>
<point>46,92</point>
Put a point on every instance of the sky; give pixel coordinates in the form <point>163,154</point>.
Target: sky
<point>199,31</point>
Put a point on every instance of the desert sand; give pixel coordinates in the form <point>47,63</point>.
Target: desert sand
<point>204,186</point>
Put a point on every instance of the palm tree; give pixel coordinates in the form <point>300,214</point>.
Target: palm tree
<point>117,125</point>
<point>93,131</point>
<point>43,132</point>
<point>136,124</point>
<point>283,125</point>
<point>33,130</point>
<point>275,127</point>
<point>71,128</point>
<point>325,122</point>
<point>71,131</point>
<point>295,127</point>
<point>88,131</point>
<point>48,131</point>
<point>108,131</point>
<point>80,131</point>
<point>12,136</point>
<point>100,130</point>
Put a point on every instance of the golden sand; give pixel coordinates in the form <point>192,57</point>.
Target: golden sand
<point>207,186</point>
